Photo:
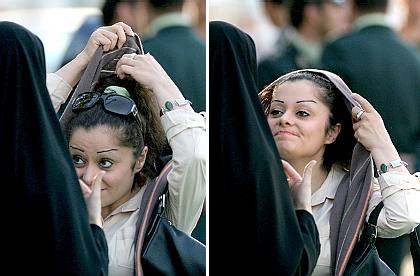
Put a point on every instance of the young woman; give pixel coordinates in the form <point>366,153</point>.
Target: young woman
<point>128,146</point>
<point>308,117</point>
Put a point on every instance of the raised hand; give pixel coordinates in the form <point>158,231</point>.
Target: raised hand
<point>300,188</point>
<point>92,197</point>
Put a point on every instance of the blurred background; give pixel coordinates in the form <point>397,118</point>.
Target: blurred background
<point>253,17</point>
<point>57,21</point>
<point>53,21</point>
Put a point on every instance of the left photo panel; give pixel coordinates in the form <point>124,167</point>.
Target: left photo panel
<point>104,127</point>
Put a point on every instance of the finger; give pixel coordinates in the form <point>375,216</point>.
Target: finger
<point>97,182</point>
<point>103,41</point>
<point>111,36</point>
<point>124,69</point>
<point>127,29</point>
<point>85,189</point>
<point>307,172</point>
<point>363,102</point>
<point>121,36</point>
<point>290,172</point>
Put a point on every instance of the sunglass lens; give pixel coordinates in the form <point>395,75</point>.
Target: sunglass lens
<point>85,100</point>
<point>118,104</point>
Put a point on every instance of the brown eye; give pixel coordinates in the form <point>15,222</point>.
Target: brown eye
<point>275,113</point>
<point>77,160</point>
<point>302,113</point>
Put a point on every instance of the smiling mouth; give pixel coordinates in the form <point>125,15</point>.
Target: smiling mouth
<point>284,133</point>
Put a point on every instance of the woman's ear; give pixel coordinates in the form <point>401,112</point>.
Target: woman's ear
<point>140,161</point>
<point>333,133</point>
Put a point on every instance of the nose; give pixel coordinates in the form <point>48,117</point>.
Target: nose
<point>88,173</point>
<point>286,118</point>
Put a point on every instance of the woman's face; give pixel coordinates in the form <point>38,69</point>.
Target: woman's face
<point>298,120</point>
<point>99,149</point>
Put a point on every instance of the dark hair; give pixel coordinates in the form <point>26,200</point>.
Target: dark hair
<point>296,10</point>
<point>109,7</point>
<point>276,2</point>
<point>126,128</point>
<point>159,4</point>
<point>371,5</point>
<point>340,151</point>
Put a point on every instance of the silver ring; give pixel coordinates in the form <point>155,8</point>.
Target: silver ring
<point>133,55</point>
<point>359,114</point>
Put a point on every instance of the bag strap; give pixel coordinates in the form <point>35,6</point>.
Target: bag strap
<point>373,217</point>
<point>372,229</point>
<point>150,197</point>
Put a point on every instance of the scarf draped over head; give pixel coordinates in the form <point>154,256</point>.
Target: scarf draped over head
<point>45,216</point>
<point>353,193</point>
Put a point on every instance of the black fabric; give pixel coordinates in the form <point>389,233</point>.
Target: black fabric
<point>365,259</point>
<point>46,229</point>
<point>415,249</point>
<point>254,226</point>
<point>183,56</point>
<point>393,250</point>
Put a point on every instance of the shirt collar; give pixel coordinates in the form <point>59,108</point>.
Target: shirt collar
<point>372,19</point>
<point>329,187</point>
<point>167,20</point>
<point>131,205</point>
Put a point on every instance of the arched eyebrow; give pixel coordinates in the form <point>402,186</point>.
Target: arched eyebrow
<point>76,148</point>
<point>102,151</point>
<point>301,101</point>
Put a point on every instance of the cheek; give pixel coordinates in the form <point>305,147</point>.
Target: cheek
<point>271,123</point>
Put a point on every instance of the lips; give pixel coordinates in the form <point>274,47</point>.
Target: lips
<point>285,133</point>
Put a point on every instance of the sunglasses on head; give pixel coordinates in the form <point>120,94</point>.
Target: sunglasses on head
<point>112,102</point>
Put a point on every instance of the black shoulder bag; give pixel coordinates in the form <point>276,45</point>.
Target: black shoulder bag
<point>364,259</point>
<point>161,249</point>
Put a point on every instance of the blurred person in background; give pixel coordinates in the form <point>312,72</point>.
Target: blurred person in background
<point>197,10</point>
<point>378,65</point>
<point>277,12</point>
<point>171,39</point>
<point>131,12</point>
<point>410,31</point>
<point>312,21</point>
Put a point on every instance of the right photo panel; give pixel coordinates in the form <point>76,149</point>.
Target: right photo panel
<point>315,131</point>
